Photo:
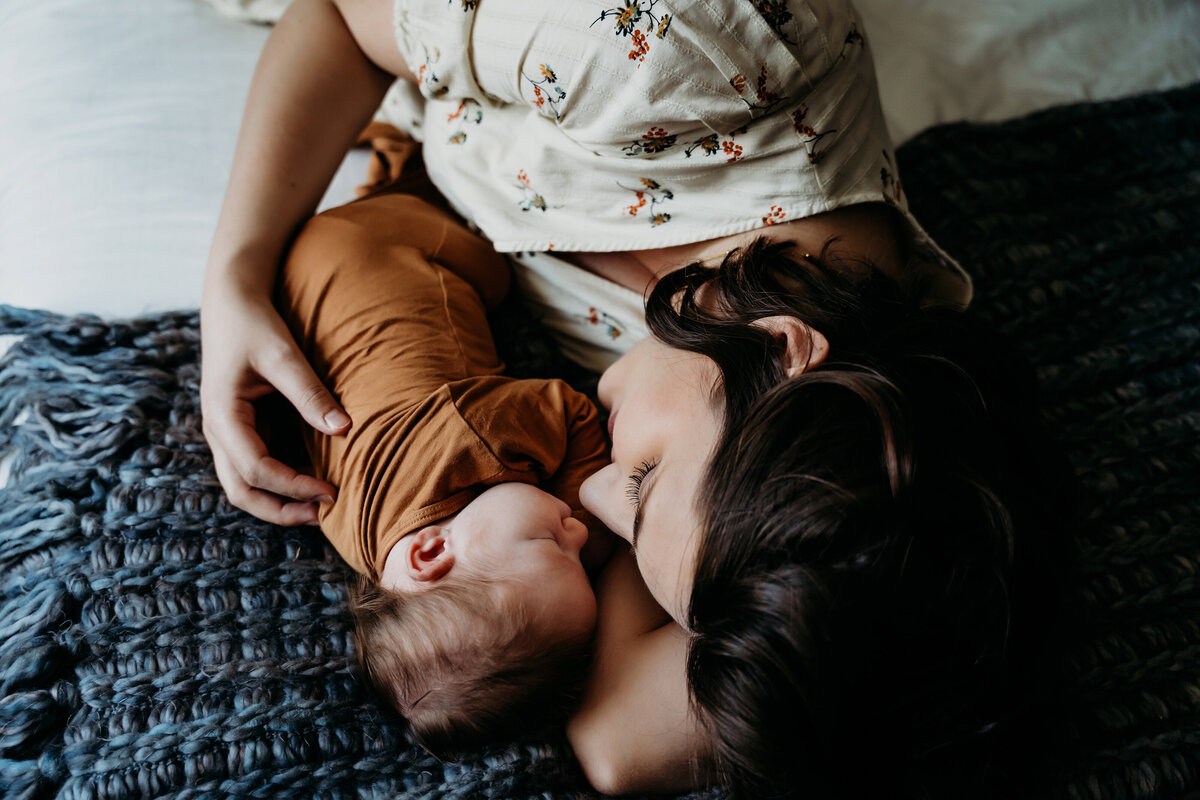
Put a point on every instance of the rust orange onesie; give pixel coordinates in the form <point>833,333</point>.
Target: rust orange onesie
<point>386,297</point>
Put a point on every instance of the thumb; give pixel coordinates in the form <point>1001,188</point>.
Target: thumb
<point>295,379</point>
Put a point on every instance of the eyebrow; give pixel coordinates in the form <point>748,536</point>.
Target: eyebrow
<point>643,499</point>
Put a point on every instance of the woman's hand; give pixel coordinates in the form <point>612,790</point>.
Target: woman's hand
<point>315,87</point>
<point>247,353</point>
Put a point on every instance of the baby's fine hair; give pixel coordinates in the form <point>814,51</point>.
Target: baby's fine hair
<point>875,569</point>
<point>462,663</point>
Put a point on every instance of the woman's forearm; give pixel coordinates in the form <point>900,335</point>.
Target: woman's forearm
<point>635,730</point>
<point>315,87</point>
<point>312,92</point>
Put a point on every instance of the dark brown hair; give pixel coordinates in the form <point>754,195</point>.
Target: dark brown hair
<point>462,664</point>
<point>868,583</point>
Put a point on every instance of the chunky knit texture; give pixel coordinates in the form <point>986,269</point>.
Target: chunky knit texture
<point>155,642</point>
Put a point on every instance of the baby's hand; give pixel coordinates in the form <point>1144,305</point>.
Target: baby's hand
<point>247,353</point>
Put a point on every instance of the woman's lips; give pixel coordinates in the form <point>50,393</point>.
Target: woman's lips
<point>612,418</point>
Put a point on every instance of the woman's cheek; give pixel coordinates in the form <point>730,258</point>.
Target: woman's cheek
<point>601,494</point>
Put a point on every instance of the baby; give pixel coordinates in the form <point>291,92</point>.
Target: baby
<point>458,487</point>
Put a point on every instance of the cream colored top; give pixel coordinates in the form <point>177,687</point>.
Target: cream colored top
<point>572,125</point>
<point>576,125</point>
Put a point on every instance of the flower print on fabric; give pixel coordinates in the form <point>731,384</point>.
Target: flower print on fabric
<point>427,79</point>
<point>893,192</point>
<point>656,140</point>
<point>707,145</point>
<point>651,194</point>
<point>853,37</point>
<point>664,23</point>
<point>467,5</point>
<point>765,99</point>
<point>628,19</point>
<point>547,94</point>
<point>711,145</point>
<point>775,13</point>
<point>529,198</point>
<point>814,137</point>
<point>595,317</point>
<point>468,112</point>
<point>774,216</point>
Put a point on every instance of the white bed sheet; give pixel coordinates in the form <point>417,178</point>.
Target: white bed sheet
<point>118,125</point>
<point>986,61</point>
<point>118,118</point>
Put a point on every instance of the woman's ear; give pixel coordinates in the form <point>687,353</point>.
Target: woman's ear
<point>419,561</point>
<point>804,347</point>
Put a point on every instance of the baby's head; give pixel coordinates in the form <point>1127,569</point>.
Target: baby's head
<point>481,623</point>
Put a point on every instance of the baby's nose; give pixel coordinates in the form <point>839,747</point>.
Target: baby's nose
<point>575,534</point>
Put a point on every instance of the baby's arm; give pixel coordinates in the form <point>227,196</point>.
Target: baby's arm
<point>635,730</point>
<point>323,72</point>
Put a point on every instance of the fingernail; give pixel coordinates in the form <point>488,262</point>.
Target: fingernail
<point>336,419</point>
<point>324,498</point>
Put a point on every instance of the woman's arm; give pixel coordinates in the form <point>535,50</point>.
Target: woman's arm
<point>635,730</point>
<point>323,72</point>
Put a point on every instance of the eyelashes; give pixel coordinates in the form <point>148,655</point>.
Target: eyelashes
<point>633,487</point>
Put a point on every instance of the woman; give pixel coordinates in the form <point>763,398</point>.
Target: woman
<point>847,502</point>
<point>768,119</point>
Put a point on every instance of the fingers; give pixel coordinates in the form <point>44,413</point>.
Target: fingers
<point>291,374</point>
<point>262,504</point>
<point>248,455</point>
<point>256,482</point>
<point>248,352</point>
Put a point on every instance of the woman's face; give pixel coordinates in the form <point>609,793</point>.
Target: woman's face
<point>664,423</point>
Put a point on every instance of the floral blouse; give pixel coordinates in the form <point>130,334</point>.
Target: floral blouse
<point>594,125</point>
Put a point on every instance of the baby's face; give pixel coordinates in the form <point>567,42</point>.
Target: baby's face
<point>527,539</point>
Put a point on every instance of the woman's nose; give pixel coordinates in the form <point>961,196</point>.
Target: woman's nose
<point>602,494</point>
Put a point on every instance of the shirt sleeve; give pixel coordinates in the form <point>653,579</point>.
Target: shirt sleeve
<point>542,429</point>
<point>587,451</point>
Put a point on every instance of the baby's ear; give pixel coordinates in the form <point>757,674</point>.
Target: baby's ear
<point>419,561</point>
<point>804,347</point>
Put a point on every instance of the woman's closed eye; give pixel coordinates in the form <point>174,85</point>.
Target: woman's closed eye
<point>633,490</point>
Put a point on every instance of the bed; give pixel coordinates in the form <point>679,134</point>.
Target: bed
<point>155,642</point>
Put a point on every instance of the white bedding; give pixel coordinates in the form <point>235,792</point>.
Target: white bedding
<point>118,118</point>
<point>988,60</point>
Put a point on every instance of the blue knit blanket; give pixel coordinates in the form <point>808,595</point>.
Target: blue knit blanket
<point>155,642</point>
